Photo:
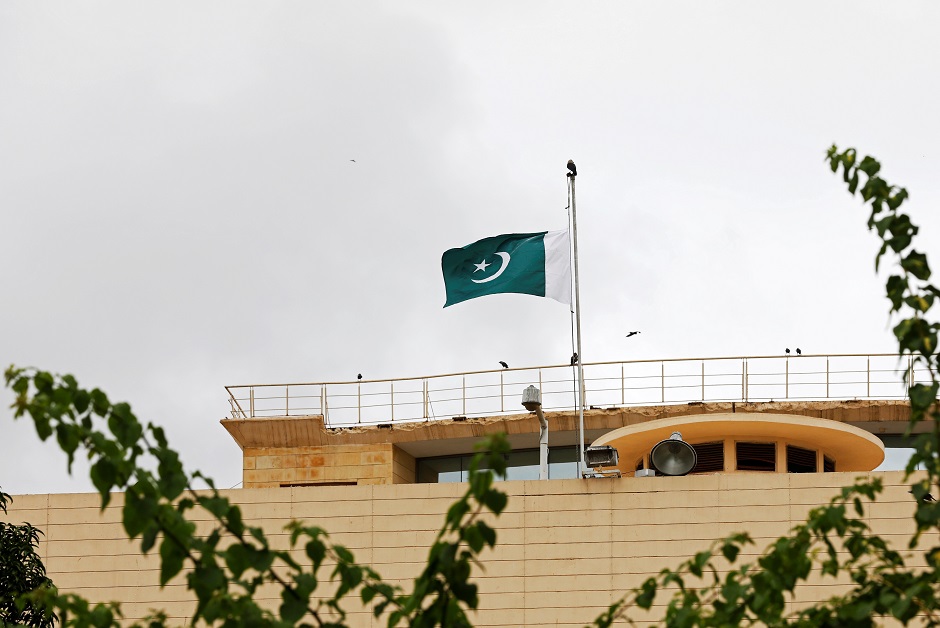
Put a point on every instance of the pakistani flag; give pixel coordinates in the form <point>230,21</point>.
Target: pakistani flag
<point>525,263</point>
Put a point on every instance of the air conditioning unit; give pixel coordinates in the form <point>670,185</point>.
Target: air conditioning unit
<point>603,456</point>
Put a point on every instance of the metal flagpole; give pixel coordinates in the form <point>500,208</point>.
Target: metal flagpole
<point>582,468</point>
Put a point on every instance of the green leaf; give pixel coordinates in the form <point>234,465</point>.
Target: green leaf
<point>104,476</point>
<point>171,560</point>
<point>293,608</point>
<point>916,264</point>
<point>316,551</point>
<point>99,402</point>
<point>43,382</point>
<point>495,500</point>
<point>456,512</point>
<point>237,559</point>
<point>924,395</point>
<point>473,538</point>
<point>124,425</point>
<point>647,594</point>
<point>730,551</point>
<point>139,512</point>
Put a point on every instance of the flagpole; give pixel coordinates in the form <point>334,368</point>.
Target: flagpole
<point>577,309</point>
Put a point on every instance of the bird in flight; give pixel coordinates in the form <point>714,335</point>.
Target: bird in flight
<point>926,498</point>
<point>632,333</point>
<point>503,364</point>
<point>359,377</point>
<point>353,160</point>
<point>573,169</point>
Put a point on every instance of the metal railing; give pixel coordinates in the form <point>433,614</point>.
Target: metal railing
<point>607,384</point>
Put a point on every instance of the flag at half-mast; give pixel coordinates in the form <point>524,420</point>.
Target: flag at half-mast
<point>525,263</point>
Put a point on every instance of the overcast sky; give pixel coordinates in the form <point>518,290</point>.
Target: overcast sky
<point>180,210</point>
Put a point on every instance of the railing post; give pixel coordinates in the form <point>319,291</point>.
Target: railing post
<point>662,381</point>
<point>323,403</point>
<point>743,370</point>
<point>868,377</point>
<point>827,377</point>
<point>358,403</point>
<point>425,398</point>
<point>623,393</point>
<point>326,407</point>
<point>463,393</point>
<point>392,388</point>
<point>251,401</point>
<point>747,382</point>
<point>286,399</point>
<point>786,379</point>
<point>501,401</point>
<point>703,381</point>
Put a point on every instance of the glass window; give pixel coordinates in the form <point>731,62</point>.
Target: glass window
<point>521,465</point>
<point>562,463</point>
<point>436,470</point>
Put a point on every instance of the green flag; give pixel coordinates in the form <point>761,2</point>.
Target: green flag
<point>524,263</point>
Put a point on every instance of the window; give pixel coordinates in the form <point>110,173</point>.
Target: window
<point>522,465</point>
<point>756,456</point>
<point>800,460</point>
<point>710,457</point>
<point>829,465</point>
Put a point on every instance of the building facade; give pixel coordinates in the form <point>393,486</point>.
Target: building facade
<point>566,548</point>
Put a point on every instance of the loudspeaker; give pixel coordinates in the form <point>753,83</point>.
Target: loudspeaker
<point>673,456</point>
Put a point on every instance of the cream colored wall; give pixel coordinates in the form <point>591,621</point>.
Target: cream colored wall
<point>566,548</point>
<point>379,463</point>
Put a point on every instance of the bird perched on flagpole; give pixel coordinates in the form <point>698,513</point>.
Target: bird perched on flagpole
<point>573,169</point>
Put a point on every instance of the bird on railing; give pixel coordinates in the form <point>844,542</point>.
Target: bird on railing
<point>574,359</point>
<point>503,364</point>
<point>359,376</point>
<point>572,169</point>
<point>798,352</point>
<point>788,350</point>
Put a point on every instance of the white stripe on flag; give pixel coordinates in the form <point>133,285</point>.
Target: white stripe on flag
<point>558,266</point>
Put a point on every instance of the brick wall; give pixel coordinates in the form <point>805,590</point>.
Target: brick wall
<point>566,548</point>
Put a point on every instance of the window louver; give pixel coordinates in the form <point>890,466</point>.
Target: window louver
<point>710,457</point>
<point>829,465</point>
<point>756,456</point>
<point>800,460</point>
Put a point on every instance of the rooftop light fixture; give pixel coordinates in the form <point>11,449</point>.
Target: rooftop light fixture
<point>600,456</point>
<point>673,456</point>
<point>532,401</point>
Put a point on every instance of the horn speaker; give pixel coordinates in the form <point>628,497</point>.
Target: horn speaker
<point>673,456</point>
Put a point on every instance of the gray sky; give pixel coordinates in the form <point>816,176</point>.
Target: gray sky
<point>180,212</point>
